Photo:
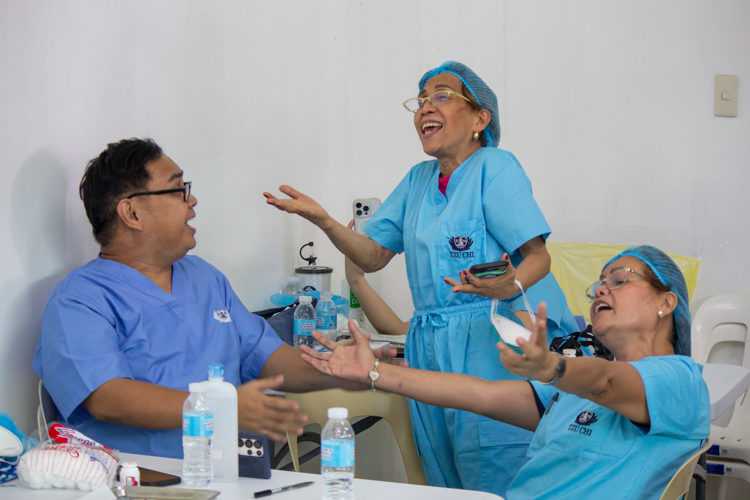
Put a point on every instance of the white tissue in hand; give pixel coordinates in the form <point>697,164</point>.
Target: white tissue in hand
<point>67,466</point>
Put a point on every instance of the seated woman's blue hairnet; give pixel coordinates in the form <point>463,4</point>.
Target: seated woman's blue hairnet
<point>668,274</point>
<point>484,95</point>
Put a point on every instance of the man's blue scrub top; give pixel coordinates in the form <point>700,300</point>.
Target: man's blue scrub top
<point>106,320</point>
<point>584,450</point>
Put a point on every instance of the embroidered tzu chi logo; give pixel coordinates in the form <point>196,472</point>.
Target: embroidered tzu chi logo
<point>460,246</point>
<point>586,418</point>
<point>583,421</point>
<point>222,316</point>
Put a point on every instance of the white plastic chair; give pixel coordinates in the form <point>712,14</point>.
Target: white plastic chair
<point>389,406</point>
<point>679,486</point>
<point>720,337</point>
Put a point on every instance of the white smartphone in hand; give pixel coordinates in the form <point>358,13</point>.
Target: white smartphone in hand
<point>363,208</point>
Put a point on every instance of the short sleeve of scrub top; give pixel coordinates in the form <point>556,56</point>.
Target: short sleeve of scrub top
<point>670,383</point>
<point>386,225</point>
<point>80,367</point>
<point>510,211</point>
<point>257,339</point>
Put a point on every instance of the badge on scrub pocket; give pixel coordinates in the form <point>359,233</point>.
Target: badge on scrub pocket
<point>507,329</point>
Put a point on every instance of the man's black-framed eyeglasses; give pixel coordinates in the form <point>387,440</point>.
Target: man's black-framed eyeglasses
<point>185,189</point>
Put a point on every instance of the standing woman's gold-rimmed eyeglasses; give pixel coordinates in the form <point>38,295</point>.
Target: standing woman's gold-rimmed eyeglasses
<point>415,103</point>
<point>185,189</point>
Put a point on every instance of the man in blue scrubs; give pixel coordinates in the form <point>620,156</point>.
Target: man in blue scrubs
<point>124,335</point>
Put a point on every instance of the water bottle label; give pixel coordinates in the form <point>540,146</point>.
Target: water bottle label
<point>353,302</point>
<point>304,326</point>
<point>337,453</point>
<point>200,425</point>
<point>327,322</point>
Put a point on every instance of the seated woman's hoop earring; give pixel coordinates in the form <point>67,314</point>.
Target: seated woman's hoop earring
<point>661,314</point>
<point>476,136</point>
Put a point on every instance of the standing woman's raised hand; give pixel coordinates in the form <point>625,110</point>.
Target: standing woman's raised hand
<point>537,361</point>
<point>299,204</point>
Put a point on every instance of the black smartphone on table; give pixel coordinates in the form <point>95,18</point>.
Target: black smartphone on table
<point>490,269</point>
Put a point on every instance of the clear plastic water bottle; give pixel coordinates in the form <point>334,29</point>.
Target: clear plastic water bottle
<point>197,429</point>
<point>327,316</point>
<point>305,321</point>
<point>292,286</point>
<point>355,311</point>
<point>337,456</point>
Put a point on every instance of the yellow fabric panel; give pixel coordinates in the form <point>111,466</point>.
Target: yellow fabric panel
<point>577,265</point>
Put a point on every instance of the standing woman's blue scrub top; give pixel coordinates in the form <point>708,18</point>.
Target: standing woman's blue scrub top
<point>488,209</point>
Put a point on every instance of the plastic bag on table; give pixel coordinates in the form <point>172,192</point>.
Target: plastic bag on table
<point>68,460</point>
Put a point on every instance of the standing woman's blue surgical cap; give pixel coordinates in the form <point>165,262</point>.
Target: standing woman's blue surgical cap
<point>484,95</point>
<point>668,274</point>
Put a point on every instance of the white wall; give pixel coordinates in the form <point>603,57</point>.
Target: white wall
<point>244,96</point>
<point>608,105</point>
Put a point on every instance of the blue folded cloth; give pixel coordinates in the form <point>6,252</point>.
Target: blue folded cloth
<point>7,472</point>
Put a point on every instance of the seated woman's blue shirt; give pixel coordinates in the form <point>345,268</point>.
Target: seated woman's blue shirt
<point>584,450</point>
<point>106,320</point>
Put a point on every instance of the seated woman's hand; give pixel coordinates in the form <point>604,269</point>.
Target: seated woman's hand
<point>299,204</point>
<point>501,288</point>
<point>351,362</point>
<point>537,361</point>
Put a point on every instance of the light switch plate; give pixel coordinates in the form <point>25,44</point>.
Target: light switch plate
<point>725,95</point>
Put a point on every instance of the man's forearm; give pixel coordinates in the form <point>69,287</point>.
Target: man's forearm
<point>137,404</point>
<point>298,375</point>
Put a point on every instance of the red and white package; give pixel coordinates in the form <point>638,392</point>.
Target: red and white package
<point>62,435</point>
<point>68,460</point>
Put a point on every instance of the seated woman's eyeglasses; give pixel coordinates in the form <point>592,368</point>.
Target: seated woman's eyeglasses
<point>185,189</point>
<point>415,103</point>
<point>617,277</point>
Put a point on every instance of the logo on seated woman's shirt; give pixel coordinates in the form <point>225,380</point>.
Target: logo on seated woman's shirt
<point>583,420</point>
<point>461,246</point>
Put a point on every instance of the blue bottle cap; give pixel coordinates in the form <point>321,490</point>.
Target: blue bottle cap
<point>216,370</point>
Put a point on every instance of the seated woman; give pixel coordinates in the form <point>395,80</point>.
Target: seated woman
<point>603,429</point>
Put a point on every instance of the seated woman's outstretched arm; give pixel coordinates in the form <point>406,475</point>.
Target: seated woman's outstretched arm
<point>616,385</point>
<point>509,401</point>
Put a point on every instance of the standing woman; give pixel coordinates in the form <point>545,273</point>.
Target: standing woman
<point>472,204</point>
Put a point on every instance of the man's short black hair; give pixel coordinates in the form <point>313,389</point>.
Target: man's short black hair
<point>119,169</point>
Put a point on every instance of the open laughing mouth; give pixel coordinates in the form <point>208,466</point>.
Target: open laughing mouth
<point>601,306</point>
<point>429,128</point>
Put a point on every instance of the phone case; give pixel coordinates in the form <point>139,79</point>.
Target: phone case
<point>363,208</point>
<point>254,455</point>
<point>490,269</point>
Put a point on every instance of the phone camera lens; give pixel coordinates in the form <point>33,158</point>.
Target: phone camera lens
<point>249,443</point>
<point>257,444</point>
<point>259,453</point>
<point>359,205</point>
<point>240,443</point>
<point>367,208</point>
<point>359,212</point>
